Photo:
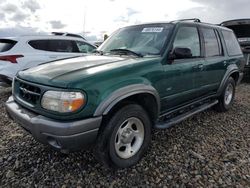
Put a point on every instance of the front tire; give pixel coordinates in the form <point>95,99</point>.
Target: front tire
<point>227,97</point>
<point>124,139</point>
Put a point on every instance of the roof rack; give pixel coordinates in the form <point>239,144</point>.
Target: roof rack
<point>68,34</point>
<point>190,19</point>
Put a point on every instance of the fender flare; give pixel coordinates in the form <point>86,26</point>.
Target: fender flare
<point>230,70</point>
<point>109,102</point>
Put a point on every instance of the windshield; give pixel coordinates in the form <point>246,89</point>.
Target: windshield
<point>141,39</point>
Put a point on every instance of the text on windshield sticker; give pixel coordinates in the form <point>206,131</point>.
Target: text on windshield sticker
<point>152,29</point>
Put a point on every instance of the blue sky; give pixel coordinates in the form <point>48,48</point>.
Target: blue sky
<point>93,18</point>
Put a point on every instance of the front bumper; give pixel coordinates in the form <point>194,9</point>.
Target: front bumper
<point>61,135</point>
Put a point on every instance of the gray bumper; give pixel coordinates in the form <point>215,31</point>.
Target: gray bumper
<point>64,136</point>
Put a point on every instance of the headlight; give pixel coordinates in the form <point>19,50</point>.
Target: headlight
<point>63,101</point>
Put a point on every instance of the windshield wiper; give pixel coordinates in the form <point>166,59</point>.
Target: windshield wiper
<point>126,51</point>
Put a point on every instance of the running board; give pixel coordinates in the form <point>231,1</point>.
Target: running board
<point>181,117</point>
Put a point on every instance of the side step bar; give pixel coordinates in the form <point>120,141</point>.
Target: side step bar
<point>181,117</point>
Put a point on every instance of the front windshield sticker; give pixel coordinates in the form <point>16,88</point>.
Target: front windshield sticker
<point>152,30</point>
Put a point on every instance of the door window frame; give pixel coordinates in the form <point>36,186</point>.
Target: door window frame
<point>192,59</point>
<point>219,41</point>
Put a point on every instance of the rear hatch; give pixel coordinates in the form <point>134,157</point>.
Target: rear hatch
<point>7,60</point>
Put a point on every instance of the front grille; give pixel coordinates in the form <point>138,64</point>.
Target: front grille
<point>29,93</point>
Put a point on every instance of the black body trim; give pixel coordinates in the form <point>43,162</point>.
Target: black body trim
<point>179,118</point>
<point>107,104</point>
<point>230,70</point>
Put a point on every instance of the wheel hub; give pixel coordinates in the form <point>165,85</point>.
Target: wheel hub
<point>228,94</point>
<point>129,138</point>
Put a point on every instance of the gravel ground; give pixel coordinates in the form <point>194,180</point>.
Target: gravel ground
<point>208,150</point>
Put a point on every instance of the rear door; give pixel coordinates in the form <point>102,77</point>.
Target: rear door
<point>60,49</point>
<point>215,65</point>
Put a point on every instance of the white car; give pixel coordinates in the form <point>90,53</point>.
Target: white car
<point>19,53</point>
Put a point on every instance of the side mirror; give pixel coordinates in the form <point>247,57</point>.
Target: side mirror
<point>180,53</point>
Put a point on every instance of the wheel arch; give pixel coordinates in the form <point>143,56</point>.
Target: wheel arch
<point>144,95</point>
<point>232,71</point>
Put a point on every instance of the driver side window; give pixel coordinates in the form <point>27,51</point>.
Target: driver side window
<point>188,37</point>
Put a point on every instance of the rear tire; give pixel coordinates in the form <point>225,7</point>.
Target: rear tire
<point>227,97</point>
<point>124,139</point>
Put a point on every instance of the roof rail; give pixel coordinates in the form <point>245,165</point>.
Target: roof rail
<point>68,34</point>
<point>190,19</point>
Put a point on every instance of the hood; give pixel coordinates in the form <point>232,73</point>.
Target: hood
<point>60,73</point>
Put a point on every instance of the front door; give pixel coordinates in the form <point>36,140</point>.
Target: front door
<point>182,74</point>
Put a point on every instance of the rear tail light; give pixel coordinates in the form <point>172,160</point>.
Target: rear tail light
<point>10,58</point>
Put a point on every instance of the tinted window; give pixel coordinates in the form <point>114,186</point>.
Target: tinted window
<point>54,45</point>
<point>188,37</point>
<point>6,44</point>
<point>232,45</point>
<point>212,47</point>
<point>84,47</point>
<point>39,44</point>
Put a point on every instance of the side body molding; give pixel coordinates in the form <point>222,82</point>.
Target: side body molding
<point>106,105</point>
<point>230,70</point>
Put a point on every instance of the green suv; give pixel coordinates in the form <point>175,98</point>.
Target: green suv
<point>143,77</point>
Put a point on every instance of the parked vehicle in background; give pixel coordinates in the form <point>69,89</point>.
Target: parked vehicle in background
<point>241,28</point>
<point>142,77</point>
<point>19,53</point>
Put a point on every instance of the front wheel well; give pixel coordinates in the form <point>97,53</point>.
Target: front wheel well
<point>146,100</point>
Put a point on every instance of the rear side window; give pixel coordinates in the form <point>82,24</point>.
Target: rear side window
<point>188,37</point>
<point>212,45</point>
<point>39,44</point>
<point>55,45</point>
<point>84,47</point>
<point>232,45</point>
<point>6,44</point>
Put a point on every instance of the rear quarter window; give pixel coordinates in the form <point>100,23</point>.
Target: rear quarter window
<point>6,44</point>
<point>232,45</point>
<point>84,47</point>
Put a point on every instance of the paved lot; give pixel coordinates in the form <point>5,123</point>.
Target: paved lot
<point>207,150</point>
